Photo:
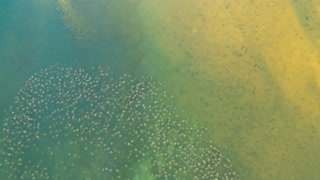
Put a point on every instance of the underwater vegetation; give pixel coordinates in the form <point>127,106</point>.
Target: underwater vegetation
<point>74,123</point>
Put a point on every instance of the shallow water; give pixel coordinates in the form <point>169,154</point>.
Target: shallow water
<point>248,70</point>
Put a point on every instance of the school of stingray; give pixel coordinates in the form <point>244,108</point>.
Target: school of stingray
<point>74,123</point>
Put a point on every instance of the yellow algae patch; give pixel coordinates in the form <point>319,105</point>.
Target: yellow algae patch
<point>251,71</point>
<point>228,39</point>
<point>291,58</point>
<point>308,13</point>
<point>75,22</point>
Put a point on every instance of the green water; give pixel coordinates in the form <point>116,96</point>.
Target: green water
<point>247,70</point>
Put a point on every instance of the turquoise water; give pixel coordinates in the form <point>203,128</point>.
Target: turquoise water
<point>33,36</point>
<point>63,120</point>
